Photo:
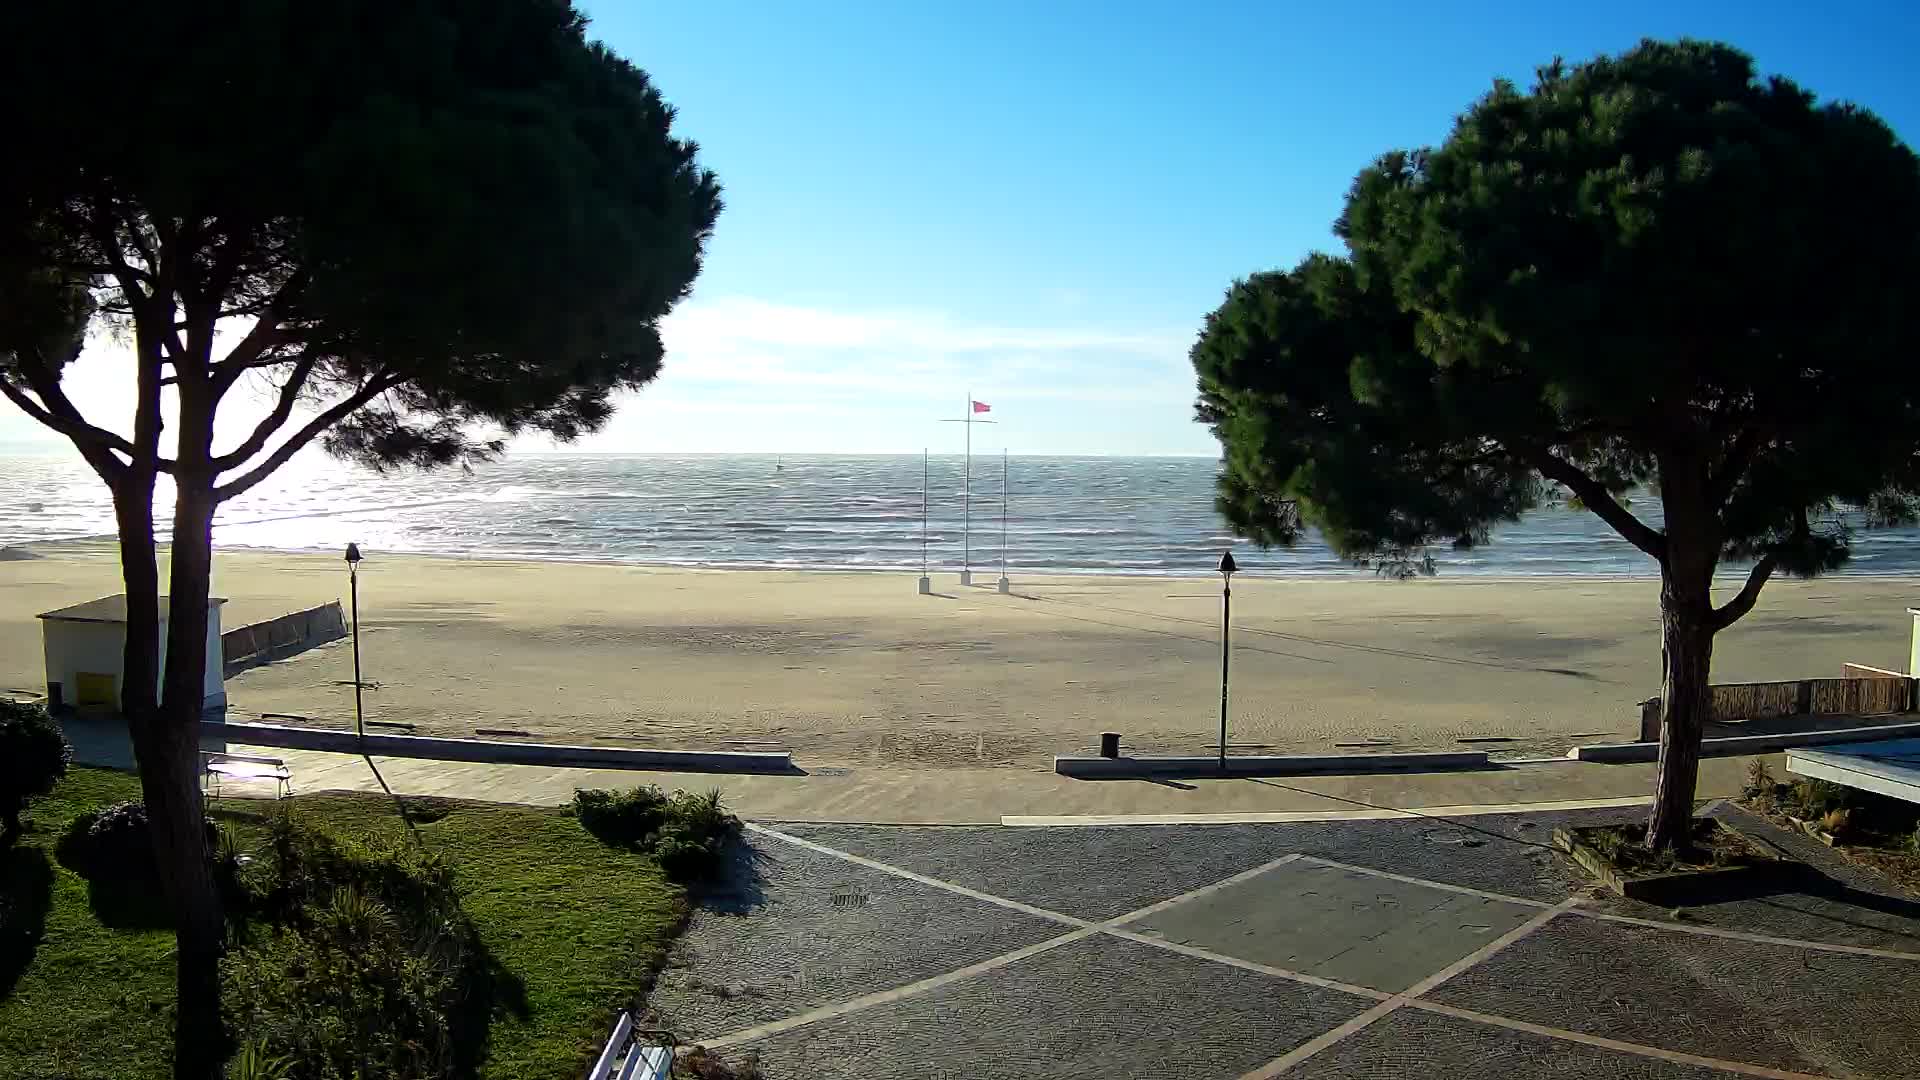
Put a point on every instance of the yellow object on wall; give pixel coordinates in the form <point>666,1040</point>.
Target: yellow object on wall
<point>94,689</point>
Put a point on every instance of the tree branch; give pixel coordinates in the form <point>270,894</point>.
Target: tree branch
<point>95,444</point>
<point>1596,498</point>
<point>373,388</point>
<point>289,397</point>
<point>1733,466</point>
<point>264,335</point>
<point>87,439</point>
<point>1733,610</point>
<point>58,411</point>
<point>129,277</point>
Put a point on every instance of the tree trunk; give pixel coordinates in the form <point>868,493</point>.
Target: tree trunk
<point>1686,702</point>
<point>168,754</point>
<point>180,832</point>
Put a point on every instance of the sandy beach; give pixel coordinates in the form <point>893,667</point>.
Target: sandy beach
<point>858,670</point>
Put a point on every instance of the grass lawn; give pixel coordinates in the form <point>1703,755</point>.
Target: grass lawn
<point>582,926</point>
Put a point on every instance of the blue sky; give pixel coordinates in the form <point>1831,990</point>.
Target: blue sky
<point>1038,202</point>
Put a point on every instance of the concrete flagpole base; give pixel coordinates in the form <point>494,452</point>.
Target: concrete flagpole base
<point>1004,586</point>
<point>926,585</point>
<point>966,577</point>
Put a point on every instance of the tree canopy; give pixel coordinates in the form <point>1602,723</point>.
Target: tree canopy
<point>1646,265</point>
<point>1655,271</point>
<point>463,214</point>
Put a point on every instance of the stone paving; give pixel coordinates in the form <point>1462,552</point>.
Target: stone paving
<point>1462,948</point>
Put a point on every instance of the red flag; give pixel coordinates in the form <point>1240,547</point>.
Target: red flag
<point>981,406</point>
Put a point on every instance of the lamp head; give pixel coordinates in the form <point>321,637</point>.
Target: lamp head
<point>1227,565</point>
<point>353,554</point>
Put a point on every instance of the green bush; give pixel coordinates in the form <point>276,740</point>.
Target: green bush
<point>369,966</point>
<point>114,843</point>
<point>621,818</point>
<point>687,832</point>
<point>33,757</point>
<point>347,996</point>
<point>1814,799</point>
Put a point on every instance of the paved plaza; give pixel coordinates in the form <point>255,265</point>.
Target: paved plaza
<point>1462,948</point>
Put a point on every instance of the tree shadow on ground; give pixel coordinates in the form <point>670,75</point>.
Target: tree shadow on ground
<point>26,895</point>
<point>121,897</point>
<point>1805,892</point>
<point>738,888</point>
<point>128,904</point>
<point>1810,882</point>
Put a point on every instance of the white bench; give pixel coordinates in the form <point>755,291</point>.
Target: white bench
<point>633,1054</point>
<point>215,767</point>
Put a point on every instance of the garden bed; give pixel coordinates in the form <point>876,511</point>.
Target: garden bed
<point>1716,860</point>
<point>1875,831</point>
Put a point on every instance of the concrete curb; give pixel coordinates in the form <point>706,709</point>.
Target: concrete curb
<point>1140,768</point>
<point>1739,745</point>
<point>498,753</point>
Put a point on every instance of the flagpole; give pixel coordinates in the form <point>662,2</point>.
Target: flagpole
<point>966,501</point>
<point>1004,584</point>
<point>926,471</point>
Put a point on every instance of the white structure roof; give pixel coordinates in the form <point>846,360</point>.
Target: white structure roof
<point>108,609</point>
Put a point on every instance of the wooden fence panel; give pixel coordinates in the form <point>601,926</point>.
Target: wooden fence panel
<point>1747,701</point>
<point>1879,692</point>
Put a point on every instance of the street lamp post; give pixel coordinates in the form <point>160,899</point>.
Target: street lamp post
<point>353,586</point>
<point>1227,568</point>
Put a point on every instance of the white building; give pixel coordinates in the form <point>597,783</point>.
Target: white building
<point>86,642</point>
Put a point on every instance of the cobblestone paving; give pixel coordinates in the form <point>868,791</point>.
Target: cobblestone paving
<point>1462,948</point>
<point>802,930</point>
<point>1097,1007</point>
<point>1774,1005</point>
<point>1414,1045</point>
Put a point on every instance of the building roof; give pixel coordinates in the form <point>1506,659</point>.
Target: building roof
<point>109,609</point>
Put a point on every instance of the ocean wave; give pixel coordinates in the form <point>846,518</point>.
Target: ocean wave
<point>1088,515</point>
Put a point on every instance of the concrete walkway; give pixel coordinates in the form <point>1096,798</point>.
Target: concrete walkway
<point>968,796</point>
<point>1361,950</point>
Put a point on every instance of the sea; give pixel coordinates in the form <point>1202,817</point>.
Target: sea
<point>1052,515</point>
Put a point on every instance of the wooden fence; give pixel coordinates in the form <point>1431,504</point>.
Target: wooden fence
<point>247,646</point>
<point>1866,691</point>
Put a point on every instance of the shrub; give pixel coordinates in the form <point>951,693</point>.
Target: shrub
<point>111,844</point>
<point>33,757</point>
<point>1814,798</point>
<point>1759,780</point>
<point>686,832</point>
<point>371,968</point>
<point>252,1062</point>
<point>346,996</point>
<point>115,844</point>
<point>621,818</point>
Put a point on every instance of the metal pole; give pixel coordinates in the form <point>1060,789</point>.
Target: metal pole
<point>966,502</point>
<point>1226,654</point>
<point>353,585</point>
<point>926,471</point>
<point>1003,513</point>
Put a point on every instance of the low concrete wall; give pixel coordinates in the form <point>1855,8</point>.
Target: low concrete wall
<point>1136,768</point>
<point>248,646</point>
<point>498,753</point>
<point>1740,745</point>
